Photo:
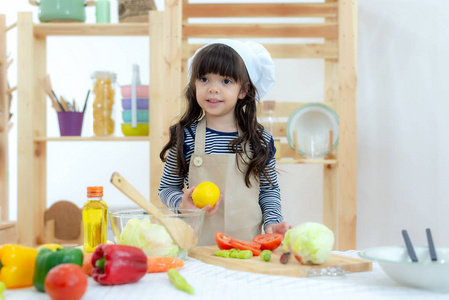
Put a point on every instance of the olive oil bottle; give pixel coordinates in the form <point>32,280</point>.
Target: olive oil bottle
<point>95,219</point>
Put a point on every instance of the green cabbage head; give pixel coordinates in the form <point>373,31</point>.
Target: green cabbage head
<point>310,242</point>
<point>152,238</point>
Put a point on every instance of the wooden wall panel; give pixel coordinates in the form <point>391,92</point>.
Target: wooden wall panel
<point>4,118</point>
<point>26,190</point>
<point>330,180</point>
<point>261,30</point>
<point>260,10</point>
<point>165,76</point>
<point>347,111</point>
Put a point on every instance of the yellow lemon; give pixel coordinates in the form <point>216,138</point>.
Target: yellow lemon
<point>206,193</point>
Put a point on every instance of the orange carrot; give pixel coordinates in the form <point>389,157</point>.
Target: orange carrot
<point>163,264</point>
<point>87,264</point>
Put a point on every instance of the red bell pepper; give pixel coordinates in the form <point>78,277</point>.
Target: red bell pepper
<point>118,264</point>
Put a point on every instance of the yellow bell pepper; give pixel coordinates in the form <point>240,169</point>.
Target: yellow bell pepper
<point>17,265</point>
<point>49,246</point>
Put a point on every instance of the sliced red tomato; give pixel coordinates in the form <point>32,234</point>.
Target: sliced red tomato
<point>223,241</point>
<point>269,241</point>
<point>245,245</point>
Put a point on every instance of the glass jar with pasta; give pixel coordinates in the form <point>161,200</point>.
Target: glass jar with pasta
<point>103,106</point>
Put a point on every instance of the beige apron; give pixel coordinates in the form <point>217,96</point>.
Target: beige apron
<point>239,214</point>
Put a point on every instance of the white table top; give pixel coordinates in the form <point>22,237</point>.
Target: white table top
<point>212,282</point>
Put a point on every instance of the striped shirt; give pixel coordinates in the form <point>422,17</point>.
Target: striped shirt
<point>171,186</point>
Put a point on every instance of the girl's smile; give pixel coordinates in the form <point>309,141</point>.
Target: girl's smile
<point>214,101</point>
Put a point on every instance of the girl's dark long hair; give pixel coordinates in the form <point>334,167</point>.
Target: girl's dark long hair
<point>222,59</point>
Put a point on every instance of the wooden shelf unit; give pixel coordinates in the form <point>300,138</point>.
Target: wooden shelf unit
<point>339,31</point>
<point>83,29</point>
<point>92,138</point>
<point>7,227</point>
<point>291,161</point>
<point>168,59</point>
<point>32,114</point>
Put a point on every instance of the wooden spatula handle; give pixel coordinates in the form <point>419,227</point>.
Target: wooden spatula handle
<point>131,192</point>
<point>181,233</point>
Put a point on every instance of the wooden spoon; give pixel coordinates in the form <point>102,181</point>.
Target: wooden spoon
<point>50,95</point>
<point>180,231</point>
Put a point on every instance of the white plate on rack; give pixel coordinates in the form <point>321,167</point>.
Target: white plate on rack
<point>312,123</point>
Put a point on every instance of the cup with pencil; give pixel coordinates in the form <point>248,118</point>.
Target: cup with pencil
<point>70,117</point>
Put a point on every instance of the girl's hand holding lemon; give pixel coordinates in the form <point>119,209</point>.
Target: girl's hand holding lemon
<point>205,196</point>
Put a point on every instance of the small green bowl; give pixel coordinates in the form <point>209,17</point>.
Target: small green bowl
<point>142,116</point>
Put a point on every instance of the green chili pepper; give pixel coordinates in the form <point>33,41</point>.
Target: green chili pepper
<point>244,254</point>
<point>179,281</point>
<point>233,253</point>
<point>222,253</point>
<point>2,289</point>
<point>265,255</point>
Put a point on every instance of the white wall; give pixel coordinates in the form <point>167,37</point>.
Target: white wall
<point>402,128</point>
<point>402,121</point>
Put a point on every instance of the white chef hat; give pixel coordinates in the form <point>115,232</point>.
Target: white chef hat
<point>257,60</point>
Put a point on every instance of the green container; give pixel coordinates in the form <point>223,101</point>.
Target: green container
<point>62,10</point>
<point>142,116</point>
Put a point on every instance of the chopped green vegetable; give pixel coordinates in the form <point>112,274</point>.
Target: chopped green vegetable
<point>234,253</point>
<point>222,253</point>
<point>179,281</point>
<point>2,289</point>
<point>265,255</point>
<point>244,254</point>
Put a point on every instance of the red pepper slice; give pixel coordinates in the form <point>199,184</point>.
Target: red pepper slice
<point>245,245</point>
<point>118,264</point>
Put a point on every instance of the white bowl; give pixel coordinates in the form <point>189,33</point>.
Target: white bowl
<point>312,123</point>
<point>424,274</point>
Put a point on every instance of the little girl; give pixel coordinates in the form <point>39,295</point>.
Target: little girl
<point>218,139</point>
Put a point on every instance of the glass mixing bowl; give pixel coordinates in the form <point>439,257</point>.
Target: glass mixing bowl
<point>135,227</point>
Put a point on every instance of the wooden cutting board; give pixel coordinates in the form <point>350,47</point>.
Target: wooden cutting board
<point>274,267</point>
